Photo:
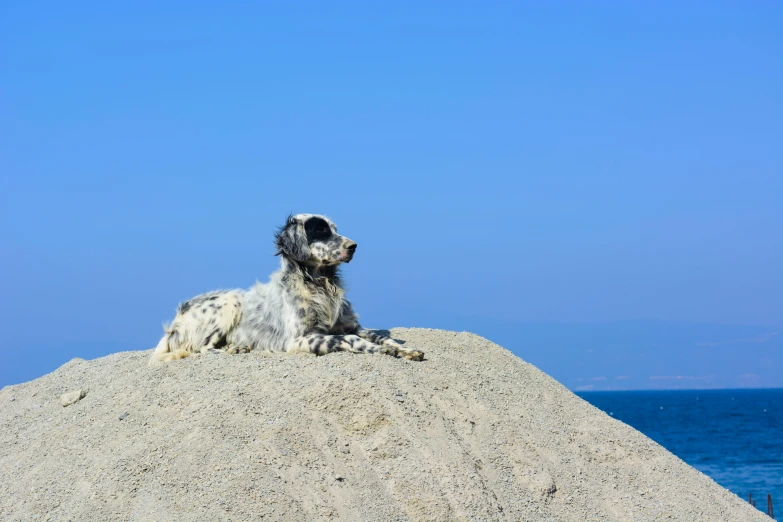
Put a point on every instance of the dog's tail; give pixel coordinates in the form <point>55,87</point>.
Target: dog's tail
<point>167,348</point>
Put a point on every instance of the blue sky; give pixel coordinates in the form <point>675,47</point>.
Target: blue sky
<point>504,167</point>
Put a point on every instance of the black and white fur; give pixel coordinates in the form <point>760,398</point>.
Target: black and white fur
<point>301,309</point>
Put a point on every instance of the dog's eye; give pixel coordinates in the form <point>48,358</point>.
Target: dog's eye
<point>317,229</point>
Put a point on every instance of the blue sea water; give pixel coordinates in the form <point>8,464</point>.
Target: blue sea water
<point>733,436</point>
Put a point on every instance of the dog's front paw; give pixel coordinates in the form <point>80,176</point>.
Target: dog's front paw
<point>411,355</point>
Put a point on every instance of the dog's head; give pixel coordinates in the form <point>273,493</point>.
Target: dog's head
<point>313,240</point>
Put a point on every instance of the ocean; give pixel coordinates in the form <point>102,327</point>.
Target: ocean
<point>733,436</point>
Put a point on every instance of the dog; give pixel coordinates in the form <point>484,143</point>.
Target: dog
<point>301,309</point>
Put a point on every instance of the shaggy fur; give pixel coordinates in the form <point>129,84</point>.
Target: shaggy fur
<point>301,309</point>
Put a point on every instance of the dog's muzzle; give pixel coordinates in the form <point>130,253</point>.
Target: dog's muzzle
<point>350,248</point>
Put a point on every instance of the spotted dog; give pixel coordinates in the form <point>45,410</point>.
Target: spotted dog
<point>301,309</point>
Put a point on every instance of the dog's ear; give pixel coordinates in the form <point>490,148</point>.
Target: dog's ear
<point>291,241</point>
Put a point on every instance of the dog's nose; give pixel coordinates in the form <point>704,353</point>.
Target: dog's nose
<point>350,246</point>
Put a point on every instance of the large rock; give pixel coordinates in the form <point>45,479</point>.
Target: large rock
<point>472,433</point>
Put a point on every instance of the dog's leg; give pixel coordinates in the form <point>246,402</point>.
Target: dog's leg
<point>320,344</point>
<point>234,349</point>
<point>323,344</point>
<point>348,323</point>
<point>376,338</point>
<point>200,326</point>
<point>163,352</point>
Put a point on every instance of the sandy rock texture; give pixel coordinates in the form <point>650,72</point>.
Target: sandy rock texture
<point>73,397</point>
<point>471,433</point>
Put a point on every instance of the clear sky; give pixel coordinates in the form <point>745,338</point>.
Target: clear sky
<point>511,163</point>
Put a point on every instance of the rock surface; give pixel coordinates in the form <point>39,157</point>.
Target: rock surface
<point>67,399</point>
<point>471,433</point>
